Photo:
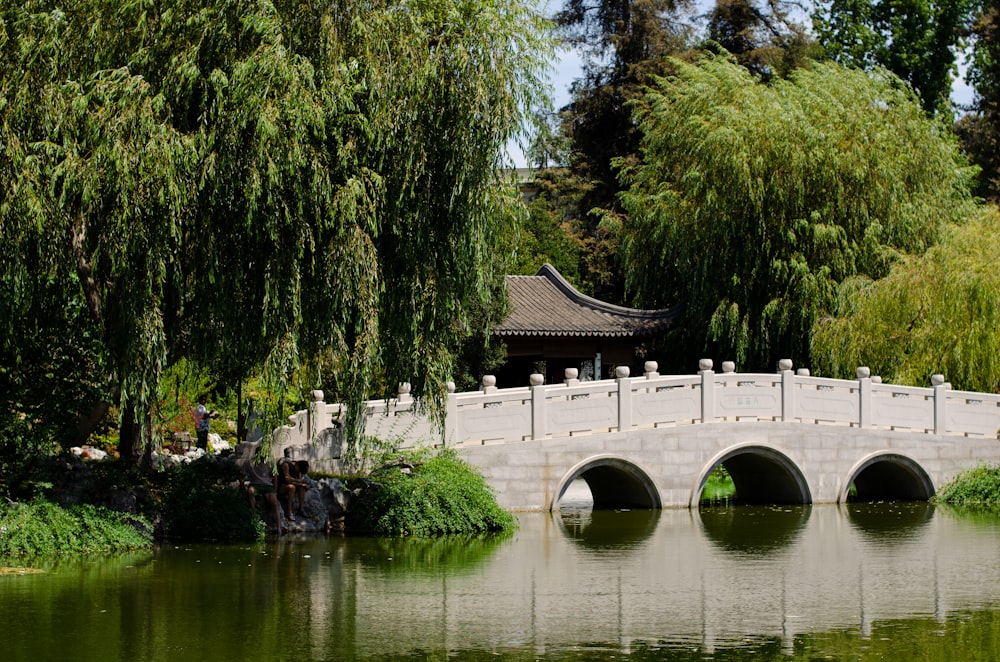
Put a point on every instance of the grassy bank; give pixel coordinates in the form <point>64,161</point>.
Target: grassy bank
<point>418,494</point>
<point>44,528</point>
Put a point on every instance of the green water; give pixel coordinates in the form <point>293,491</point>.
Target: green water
<point>883,582</point>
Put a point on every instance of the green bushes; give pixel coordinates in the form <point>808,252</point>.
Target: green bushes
<point>44,528</point>
<point>719,487</point>
<point>212,513</point>
<point>427,497</point>
<point>201,504</point>
<point>975,487</point>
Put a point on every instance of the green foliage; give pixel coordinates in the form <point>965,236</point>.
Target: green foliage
<point>246,183</point>
<point>979,130</point>
<point>762,36</point>
<point>44,528</point>
<point>438,495</point>
<point>936,313</point>
<point>180,387</point>
<point>545,238</point>
<point>918,40</point>
<point>753,202</point>
<point>719,487</point>
<point>194,502</point>
<point>975,487</point>
<point>623,45</point>
<point>51,371</point>
<point>201,503</point>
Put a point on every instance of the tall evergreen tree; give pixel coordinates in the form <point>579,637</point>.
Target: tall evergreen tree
<point>623,43</point>
<point>763,38</point>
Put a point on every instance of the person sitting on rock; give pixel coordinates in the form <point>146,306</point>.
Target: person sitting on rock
<point>291,484</point>
<point>303,466</point>
<point>260,479</point>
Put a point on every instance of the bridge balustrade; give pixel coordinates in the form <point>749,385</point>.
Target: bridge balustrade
<point>969,413</point>
<point>821,400</point>
<point>654,400</point>
<point>573,407</point>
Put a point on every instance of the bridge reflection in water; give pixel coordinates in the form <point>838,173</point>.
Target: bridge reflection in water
<point>709,578</point>
<point>579,581</point>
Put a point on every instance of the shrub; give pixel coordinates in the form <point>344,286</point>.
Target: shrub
<point>44,528</point>
<point>975,487</point>
<point>439,495</point>
<point>201,504</point>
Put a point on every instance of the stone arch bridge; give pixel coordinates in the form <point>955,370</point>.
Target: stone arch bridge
<point>651,441</point>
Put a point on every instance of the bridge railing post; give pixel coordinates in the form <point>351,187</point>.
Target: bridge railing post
<point>864,397</point>
<point>624,398</point>
<point>571,376</point>
<point>787,390</point>
<point>940,400</point>
<point>707,390</point>
<point>537,383</point>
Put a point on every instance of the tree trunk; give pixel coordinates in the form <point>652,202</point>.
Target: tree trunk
<point>241,414</point>
<point>88,422</point>
<point>130,437</point>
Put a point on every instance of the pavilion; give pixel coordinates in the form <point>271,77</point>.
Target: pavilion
<point>552,326</point>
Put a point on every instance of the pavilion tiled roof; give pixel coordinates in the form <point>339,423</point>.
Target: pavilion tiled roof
<point>546,305</point>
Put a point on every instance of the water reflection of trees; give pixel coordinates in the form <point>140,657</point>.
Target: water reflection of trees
<point>456,553</point>
<point>981,515</point>
<point>607,529</point>
<point>753,530</point>
<point>887,523</point>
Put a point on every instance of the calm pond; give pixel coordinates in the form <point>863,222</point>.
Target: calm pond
<point>859,582</point>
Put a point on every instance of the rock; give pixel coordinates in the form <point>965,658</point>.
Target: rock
<point>122,501</point>
<point>88,453</point>
<point>336,499</point>
<point>315,518</point>
<point>217,444</point>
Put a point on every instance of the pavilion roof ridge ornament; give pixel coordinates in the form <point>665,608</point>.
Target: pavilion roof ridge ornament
<point>546,304</point>
<point>550,272</point>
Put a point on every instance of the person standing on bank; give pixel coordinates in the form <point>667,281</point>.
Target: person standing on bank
<point>202,416</point>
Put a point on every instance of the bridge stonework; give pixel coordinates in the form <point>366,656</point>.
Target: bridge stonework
<point>652,441</point>
<point>799,463</point>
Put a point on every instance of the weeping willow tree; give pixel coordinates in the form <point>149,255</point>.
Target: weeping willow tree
<point>249,182</point>
<point>936,313</point>
<point>752,202</point>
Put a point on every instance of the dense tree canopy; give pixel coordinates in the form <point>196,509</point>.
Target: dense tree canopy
<point>979,130</point>
<point>245,182</point>
<point>753,202</point>
<point>763,37</point>
<point>935,313</point>
<point>918,40</point>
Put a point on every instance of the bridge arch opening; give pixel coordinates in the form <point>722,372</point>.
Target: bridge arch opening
<point>887,477</point>
<point>614,484</point>
<point>760,475</point>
